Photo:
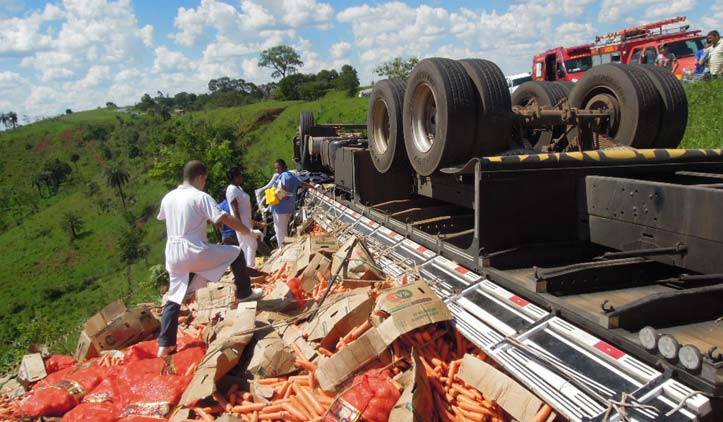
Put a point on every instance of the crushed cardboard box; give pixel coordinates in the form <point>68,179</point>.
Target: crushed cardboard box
<point>408,307</point>
<point>318,264</point>
<point>346,311</point>
<point>115,327</point>
<point>519,402</point>
<point>227,341</point>
<point>10,387</point>
<point>214,300</point>
<point>270,357</point>
<point>416,403</point>
<point>360,264</point>
<point>293,335</point>
<point>32,369</point>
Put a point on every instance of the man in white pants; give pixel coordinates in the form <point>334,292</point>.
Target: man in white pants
<point>186,211</point>
<point>240,205</point>
<point>288,184</point>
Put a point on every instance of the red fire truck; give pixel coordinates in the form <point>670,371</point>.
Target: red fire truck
<point>639,44</point>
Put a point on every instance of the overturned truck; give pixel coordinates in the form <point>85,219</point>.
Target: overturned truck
<point>570,238</point>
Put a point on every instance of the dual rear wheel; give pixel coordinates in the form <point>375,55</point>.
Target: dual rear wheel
<point>450,111</point>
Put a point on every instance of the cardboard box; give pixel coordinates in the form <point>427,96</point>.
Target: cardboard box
<point>115,327</point>
<point>214,300</point>
<point>270,356</point>
<point>291,334</point>
<point>32,369</point>
<point>409,307</point>
<point>519,402</point>
<point>318,264</point>
<point>416,403</point>
<point>346,311</point>
<point>227,340</point>
<point>360,264</point>
<point>343,364</point>
<point>10,387</point>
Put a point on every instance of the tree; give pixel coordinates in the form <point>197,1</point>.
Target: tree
<point>146,103</point>
<point>117,178</point>
<point>348,80</point>
<point>68,111</point>
<point>111,105</point>
<point>282,58</point>
<point>397,68</point>
<point>9,119</point>
<point>289,87</point>
<point>72,223</point>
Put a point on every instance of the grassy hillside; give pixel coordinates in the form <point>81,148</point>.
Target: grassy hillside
<point>705,118</point>
<point>52,283</point>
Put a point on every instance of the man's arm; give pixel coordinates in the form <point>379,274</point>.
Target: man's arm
<point>234,223</point>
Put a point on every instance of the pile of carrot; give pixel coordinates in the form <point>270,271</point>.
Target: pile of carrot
<point>8,407</point>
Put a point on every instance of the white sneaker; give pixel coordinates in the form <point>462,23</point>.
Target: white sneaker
<point>255,294</point>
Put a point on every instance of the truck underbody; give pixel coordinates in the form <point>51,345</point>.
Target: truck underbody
<point>586,267</point>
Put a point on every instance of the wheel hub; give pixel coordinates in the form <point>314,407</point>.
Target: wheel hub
<point>606,102</point>
<point>380,126</point>
<point>424,117</point>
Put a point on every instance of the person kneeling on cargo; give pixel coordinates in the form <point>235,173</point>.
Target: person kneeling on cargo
<point>186,211</point>
<point>286,185</point>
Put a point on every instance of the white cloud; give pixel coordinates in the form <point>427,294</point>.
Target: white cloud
<point>339,50</point>
<point>714,18</point>
<point>298,13</point>
<point>667,8</point>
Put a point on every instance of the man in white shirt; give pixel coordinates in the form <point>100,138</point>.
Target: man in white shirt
<point>715,56</point>
<point>239,203</point>
<point>186,211</point>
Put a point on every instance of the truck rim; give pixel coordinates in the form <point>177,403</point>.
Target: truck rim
<point>380,122</point>
<point>424,117</point>
<point>604,100</point>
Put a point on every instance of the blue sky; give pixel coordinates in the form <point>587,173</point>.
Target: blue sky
<point>81,53</point>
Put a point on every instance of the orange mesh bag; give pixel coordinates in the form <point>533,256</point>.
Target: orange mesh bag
<point>55,363</point>
<point>61,391</point>
<point>152,387</point>
<point>370,398</point>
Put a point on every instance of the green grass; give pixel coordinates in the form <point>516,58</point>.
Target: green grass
<point>705,117</point>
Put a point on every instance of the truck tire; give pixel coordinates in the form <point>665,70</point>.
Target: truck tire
<point>545,94</point>
<point>385,127</point>
<point>494,109</point>
<point>566,86</point>
<point>674,106</point>
<point>439,115</point>
<point>632,97</point>
<point>306,122</point>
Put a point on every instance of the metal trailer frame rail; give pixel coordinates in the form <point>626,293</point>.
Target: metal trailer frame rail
<point>526,223</point>
<point>576,372</point>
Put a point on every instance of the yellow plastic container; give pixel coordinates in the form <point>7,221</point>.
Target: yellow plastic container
<point>270,196</point>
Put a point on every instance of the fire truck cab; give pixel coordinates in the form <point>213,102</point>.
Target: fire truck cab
<point>562,64</point>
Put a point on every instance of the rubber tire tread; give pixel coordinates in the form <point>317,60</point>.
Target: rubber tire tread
<point>456,97</point>
<point>566,86</point>
<point>306,121</point>
<point>493,127</point>
<point>395,155</point>
<point>674,106</point>
<point>546,94</point>
<point>640,102</point>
